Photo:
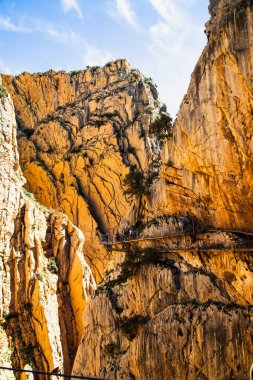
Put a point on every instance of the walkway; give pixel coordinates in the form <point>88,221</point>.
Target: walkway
<point>123,244</point>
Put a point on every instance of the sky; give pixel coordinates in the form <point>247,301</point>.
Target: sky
<point>161,38</point>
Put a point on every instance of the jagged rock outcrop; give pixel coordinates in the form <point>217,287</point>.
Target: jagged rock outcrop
<point>45,281</point>
<point>78,135</point>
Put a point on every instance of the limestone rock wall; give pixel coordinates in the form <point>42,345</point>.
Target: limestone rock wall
<point>189,315</point>
<point>181,316</point>
<point>11,180</point>
<point>156,316</point>
<point>44,278</point>
<point>207,164</point>
<point>78,135</point>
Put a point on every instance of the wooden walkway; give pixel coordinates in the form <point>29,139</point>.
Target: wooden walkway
<point>124,244</point>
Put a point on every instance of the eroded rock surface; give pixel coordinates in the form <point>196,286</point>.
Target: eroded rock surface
<point>207,167</point>
<point>44,278</point>
<point>182,316</point>
<point>78,135</point>
<point>187,315</point>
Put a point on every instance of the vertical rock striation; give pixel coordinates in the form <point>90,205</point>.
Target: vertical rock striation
<point>11,181</point>
<point>162,316</point>
<point>79,133</point>
<point>183,315</point>
<point>208,163</point>
<point>44,278</point>
<point>189,315</point>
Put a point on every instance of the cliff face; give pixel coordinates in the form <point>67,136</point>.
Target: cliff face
<point>45,280</point>
<point>78,135</point>
<point>189,315</point>
<point>11,181</point>
<point>156,314</point>
<point>181,316</point>
<point>207,167</point>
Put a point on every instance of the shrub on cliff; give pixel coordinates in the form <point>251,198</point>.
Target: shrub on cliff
<point>137,184</point>
<point>161,127</point>
<point>3,92</point>
<point>134,183</point>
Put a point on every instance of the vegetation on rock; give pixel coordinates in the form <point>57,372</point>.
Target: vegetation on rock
<point>161,127</point>
<point>137,184</point>
<point>134,182</point>
<point>3,92</point>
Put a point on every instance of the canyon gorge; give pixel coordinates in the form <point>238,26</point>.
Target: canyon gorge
<point>93,155</point>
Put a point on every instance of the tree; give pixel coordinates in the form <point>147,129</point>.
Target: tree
<point>162,126</point>
<point>134,183</point>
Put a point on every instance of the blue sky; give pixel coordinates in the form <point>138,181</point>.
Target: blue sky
<point>162,38</point>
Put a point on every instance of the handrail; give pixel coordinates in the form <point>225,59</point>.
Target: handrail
<point>133,237</point>
<point>69,376</point>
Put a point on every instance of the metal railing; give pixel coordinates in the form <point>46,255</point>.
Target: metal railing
<point>134,236</point>
<point>66,376</point>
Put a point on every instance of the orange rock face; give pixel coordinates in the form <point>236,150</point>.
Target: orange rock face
<point>179,315</point>
<point>78,135</point>
<point>157,313</point>
<point>207,167</point>
<point>45,280</point>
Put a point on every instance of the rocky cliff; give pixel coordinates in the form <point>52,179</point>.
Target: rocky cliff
<point>45,281</point>
<point>164,316</point>
<point>79,133</point>
<point>98,145</point>
<point>186,315</point>
<point>207,165</point>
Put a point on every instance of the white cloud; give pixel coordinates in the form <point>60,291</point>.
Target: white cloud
<point>175,42</point>
<point>95,57</point>
<point>6,24</point>
<point>62,36</point>
<point>121,9</point>
<point>174,31</point>
<point>90,54</point>
<point>66,37</point>
<point>125,10</point>
<point>68,5</point>
<point>167,10</point>
<point>4,68</point>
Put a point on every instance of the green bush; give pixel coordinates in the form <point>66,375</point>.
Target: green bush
<point>10,316</point>
<point>93,68</point>
<point>133,261</point>
<point>131,326</point>
<point>32,198</point>
<point>38,276</point>
<point>3,92</point>
<point>111,349</point>
<point>135,183</point>
<point>28,194</point>
<point>52,266</point>
<point>161,127</point>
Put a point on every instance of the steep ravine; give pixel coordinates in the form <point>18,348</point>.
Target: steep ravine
<point>155,316</point>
